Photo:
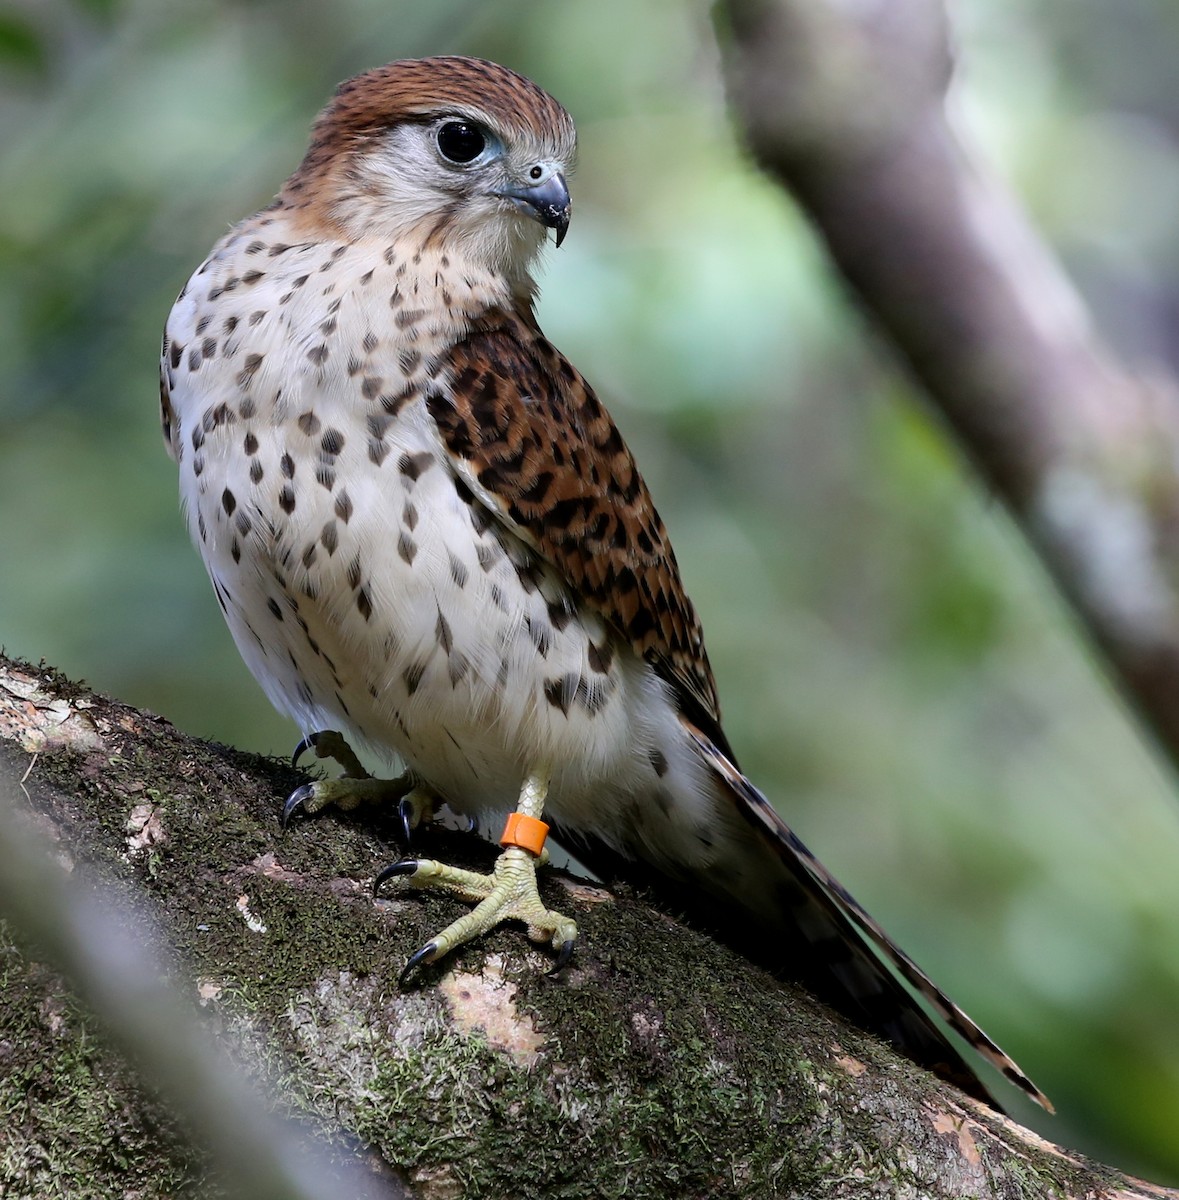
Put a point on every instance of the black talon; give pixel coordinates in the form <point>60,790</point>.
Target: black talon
<point>295,801</point>
<point>563,957</point>
<point>305,744</point>
<point>424,955</point>
<point>403,866</point>
<point>406,809</point>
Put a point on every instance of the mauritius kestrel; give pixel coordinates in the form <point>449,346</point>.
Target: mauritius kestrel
<point>425,531</point>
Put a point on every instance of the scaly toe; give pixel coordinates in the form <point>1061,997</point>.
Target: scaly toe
<point>507,894</point>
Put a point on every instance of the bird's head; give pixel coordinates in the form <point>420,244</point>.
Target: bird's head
<point>453,153</point>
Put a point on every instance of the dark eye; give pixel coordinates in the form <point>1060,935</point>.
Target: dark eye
<point>461,142</point>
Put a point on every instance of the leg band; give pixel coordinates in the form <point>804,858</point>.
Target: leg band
<point>524,831</point>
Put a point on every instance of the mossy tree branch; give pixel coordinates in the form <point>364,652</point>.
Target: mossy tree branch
<point>660,1064</point>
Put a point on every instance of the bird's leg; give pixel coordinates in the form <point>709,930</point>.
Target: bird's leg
<point>415,801</point>
<point>508,893</point>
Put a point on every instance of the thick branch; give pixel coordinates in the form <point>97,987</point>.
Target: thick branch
<point>660,1064</point>
<point>844,104</point>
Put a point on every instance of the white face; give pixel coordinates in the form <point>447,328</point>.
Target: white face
<point>456,181</point>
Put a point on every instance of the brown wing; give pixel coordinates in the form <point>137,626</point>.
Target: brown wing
<point>529,428</point>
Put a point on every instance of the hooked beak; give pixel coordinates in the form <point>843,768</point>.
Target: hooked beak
<point>547,202</point>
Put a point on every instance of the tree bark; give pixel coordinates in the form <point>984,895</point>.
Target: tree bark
<point>659,1064</point>
<point>844,104</point>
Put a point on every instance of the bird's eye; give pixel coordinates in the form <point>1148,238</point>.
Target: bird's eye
<point>461,141</point>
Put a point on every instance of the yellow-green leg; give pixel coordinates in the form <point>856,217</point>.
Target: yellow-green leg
<point>356,786</point>
<point>508,893</point>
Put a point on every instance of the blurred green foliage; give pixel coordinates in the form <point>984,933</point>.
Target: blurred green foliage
<point>894,666</point>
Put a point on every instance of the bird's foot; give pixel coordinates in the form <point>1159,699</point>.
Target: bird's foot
<point>509,893</point>
<point>416,803</point>
<point>331,744</point>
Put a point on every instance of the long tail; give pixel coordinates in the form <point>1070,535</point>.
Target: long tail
<point>847,945</point>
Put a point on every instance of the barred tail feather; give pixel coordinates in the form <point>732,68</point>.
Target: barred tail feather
<point>826,912</point>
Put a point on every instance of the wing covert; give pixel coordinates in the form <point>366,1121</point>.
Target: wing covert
<point>519,417</point>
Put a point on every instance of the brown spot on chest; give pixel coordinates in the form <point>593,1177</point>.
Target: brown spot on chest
<point>408,317</point>
<point>442,633</point>
<point>249,369</point>
<point>600,657</point>
<point>458,572</point>
<point>413,466</point>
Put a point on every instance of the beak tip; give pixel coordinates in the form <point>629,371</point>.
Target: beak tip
<point>547,202</point>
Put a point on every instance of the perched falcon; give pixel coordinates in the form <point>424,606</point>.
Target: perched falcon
<point>425,531</point>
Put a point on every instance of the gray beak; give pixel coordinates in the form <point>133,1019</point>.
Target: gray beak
<point>546,202</point>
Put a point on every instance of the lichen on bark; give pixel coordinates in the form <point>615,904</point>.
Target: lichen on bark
<point>658,1064</point>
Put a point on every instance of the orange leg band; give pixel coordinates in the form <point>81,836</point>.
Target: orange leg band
<point>524,831</point>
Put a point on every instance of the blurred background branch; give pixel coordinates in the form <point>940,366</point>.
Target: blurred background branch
<point>846,106</point>
<point>895,667</point>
